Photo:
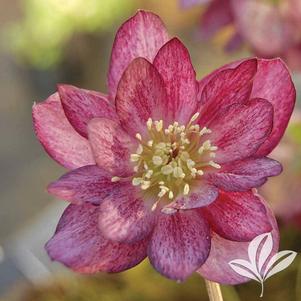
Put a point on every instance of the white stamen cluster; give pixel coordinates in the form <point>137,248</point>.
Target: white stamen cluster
<point>173,158</point>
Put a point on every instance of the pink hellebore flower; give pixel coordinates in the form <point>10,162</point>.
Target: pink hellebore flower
<point>269,29</point>
<point>164,165</point>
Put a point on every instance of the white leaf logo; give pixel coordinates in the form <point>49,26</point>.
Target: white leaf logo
<point>259,250</point>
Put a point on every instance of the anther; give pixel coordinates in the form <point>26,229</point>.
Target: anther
<point>137,181</point>
<point>213,164</point>
<point>170,194</point>
<point>186,189</point>
<point>159,125</point>
<point>157,160</point>
<point>115,179</point>
<point>135,157</point>
<point>149,123</point>
<point>194,117</point>
<point>138,136</point>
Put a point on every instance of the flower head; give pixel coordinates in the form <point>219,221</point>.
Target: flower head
<point>269,28</point>
<point>164,166</point>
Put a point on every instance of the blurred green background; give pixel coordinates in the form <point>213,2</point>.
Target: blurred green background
<point>44,42</point>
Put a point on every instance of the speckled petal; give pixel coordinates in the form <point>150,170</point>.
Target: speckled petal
<point>111,146</point>
<point>79,245</point>
<point>180,244</point>
<point>81,106</point>
<point>86,184</point>
<point>217,268</point>
<point>238,216</point>
<point>57,135</point>
<point>140,36</point>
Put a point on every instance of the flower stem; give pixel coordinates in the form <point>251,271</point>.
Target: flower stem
<point>214,291</point>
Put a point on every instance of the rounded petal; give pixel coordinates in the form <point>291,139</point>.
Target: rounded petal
<point>180,244</point>
<point>124,216</point>
<point>174,65</point>
<point>141,95</point>
<point>200,196</point>
<point>240,130</point>
<point>217,268</point>
<point>79,245</point>
<point>57,135</point>
<point>81,106</point>
<point>225,88</point>
<point>86,184</point>
<point>111,146</point>
<point>273,82</point>
<point>244,175</point>
<point>238,216</point>
<point>140,36</point>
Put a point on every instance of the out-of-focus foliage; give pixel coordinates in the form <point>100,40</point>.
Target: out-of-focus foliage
<point>39,38</point>
<point>140,283</point>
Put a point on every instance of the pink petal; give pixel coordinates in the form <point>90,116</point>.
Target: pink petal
<point>262,26</point>
<point>201,196</point>
<point>125,216</point>
<point>204,81</point>
<point>86,184</point>
<point>217,15</point>
<point>226,88</point>
<point>79,245</point>
<point>141,94</point>
<point>244,175</point>
<point>140,36</point>
<point>180,244</point>
<point>111,146</point>
<point>238,216</point>
<point>174,64</point>
<point>58,137</point>
<point>217,267</point>
<point>273,82</point>
<point>241,129</point>
<point>81,106</point>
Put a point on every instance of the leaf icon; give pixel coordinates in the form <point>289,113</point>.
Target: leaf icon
<point>244,268</point>
<point>281,265</point>
<point>259,250</point>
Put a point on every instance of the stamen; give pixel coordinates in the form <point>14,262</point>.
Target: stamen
<point>213,164</point>
<point>186,189</point>
<point>157,160</point>
<point>135,157</point>
<point>175,156</point>
<point>194,117</point>
<point>115,179</point>
<point>149,123</point>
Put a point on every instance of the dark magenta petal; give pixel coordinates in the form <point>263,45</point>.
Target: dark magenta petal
<point>217,15</point>
<point>225,88</point>
<point>238,216</point>
<point>86,184</point>
<point>125,216</point>
<point>217,268</point>
<point>202,195</point>
<point>79,245</point>
<point>244,175</point>
<point>174,65</point>
<point>239,130</point>
<point>140,36</point>
<point>141,95</point>
<point>273,82</point>
<point>111,146</point>
<point>57,135</point>
<point>81,106</point>
<point>180,244</point>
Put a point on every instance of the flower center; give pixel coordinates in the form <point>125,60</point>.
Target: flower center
<point>171,160</point>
